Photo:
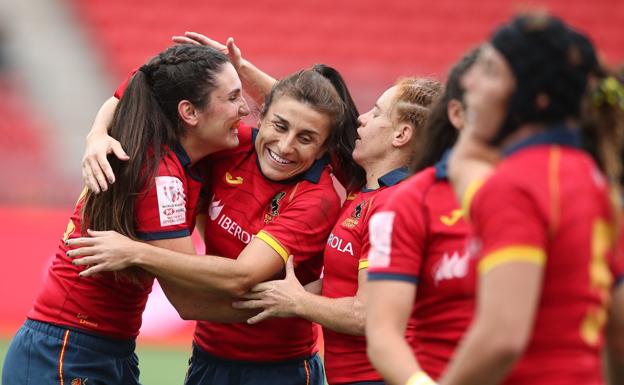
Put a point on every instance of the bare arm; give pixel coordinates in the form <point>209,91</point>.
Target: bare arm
<point>615,337</point>
<point>287,298</point>
<point>388,308</point>
<point>110,251</point>
<point>507,299</point>
<point>256,83</point>
<point>195,304</point>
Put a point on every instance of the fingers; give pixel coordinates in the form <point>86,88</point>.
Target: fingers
<point>248,305</point>
<point>262,286</point>
<point>92,270</point>
<point>94,173</point>
<point>89,179</point>
<point>184,40</point>
<point>119,151</point>
<point>88,260</point>
<point>290,266</point>
<point>259,317</point>
<point>204,40</point>
<point>87,251</point>
<point>95,233</point>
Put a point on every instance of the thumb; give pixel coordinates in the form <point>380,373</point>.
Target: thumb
<point>119,151</point>
<point>290,266</point>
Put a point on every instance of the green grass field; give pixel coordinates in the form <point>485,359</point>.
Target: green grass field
<point>159,365</point>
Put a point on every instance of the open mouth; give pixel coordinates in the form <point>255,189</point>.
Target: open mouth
<point>277,158</point>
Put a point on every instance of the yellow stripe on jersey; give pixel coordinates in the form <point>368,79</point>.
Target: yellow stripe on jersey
<point>517,253</point>
<point>363,264</point>
<point>274,243</point>
<point>469,194</point>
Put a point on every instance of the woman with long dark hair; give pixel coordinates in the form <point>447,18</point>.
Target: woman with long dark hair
<point>181,106</point>
<point>270,198</point>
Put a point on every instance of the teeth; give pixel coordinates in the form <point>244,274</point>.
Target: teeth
<point>278,158</point>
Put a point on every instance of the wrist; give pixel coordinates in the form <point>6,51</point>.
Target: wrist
<point>420,378</point>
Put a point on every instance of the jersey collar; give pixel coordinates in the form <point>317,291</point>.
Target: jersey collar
<point>560,135</point>
<point>441,167</point>
<point>312,175</point>
<point>185,161</point>
<point>390,179</point>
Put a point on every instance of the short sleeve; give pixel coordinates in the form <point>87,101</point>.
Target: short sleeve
<point>303,226</point>
<point>508,224</point>
<point>161,210</point>
<point>397,235</point>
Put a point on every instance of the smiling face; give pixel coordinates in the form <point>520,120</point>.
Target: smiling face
<point>217,123</point>
<point>375,130</point>
<point>489,85</point>
<point>291,137</point>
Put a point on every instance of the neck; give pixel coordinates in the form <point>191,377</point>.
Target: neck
<point>379,168</point>
<point>195,150</point>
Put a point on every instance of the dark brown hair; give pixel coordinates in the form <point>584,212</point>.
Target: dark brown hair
<point>323,89</point>
<point>147,124</point>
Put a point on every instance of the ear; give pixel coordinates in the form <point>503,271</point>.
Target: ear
<point>187,112</point>
<point>455,112</point>
<point>402,134</point>
<point>542,101</point>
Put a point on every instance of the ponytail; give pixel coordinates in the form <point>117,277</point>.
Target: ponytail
<point>348,172</point>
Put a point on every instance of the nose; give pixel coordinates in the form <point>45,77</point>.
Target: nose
<point>243,109</point>
<point>286,143</point>
<point>362,119</point>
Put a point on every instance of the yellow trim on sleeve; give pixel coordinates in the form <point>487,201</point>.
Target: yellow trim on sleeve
<point>363,264</point>
<point>469,195</point>
<point>517,253</point>
<point>274,243</point>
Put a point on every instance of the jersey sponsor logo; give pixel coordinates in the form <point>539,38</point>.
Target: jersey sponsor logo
<point>229,179</point>
<point>227,223</point>
<point>380,227</point>
<point>235,229</point>
<point>450,220</point>
<point>339,244</point>
<point>171,200</point>
<point>274,206</point>
<point>215,208</point>
<point>355,216</point>
<point>454,266</point>
<point>79,381</point>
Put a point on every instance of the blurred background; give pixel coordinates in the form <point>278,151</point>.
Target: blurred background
<point>60,59</point>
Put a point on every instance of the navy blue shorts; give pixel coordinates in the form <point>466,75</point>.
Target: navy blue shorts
<point>206,369</point>
<point>42,353</point>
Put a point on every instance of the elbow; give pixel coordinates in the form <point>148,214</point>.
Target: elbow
<point>186,312</point>
<point>359,319</point>
<point>375,350</point>
<point>238,286</point>
<point>506,346</point>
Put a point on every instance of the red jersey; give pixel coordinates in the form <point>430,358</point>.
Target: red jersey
<point>294,217</point>
<point>419,237</point>
<point>345,255</point>
<point>547,203</point>
<point>104,304</point>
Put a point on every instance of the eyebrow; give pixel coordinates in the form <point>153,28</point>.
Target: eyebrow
<point>235,91</point>
<point>304,131</point>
